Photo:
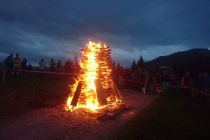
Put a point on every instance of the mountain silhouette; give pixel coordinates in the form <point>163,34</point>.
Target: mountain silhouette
<point>194,60</point>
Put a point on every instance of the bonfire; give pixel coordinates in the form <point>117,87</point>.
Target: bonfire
<point>94,88</point>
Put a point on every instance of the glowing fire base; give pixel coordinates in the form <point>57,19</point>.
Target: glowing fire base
<point>94,88</point>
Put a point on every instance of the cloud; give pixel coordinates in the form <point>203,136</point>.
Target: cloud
<point>58,29</point>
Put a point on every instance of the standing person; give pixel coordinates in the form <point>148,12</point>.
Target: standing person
<point>149,84</point>
<point>185,82</point>
<point>205,82</point>
<point>41,65</point>
<point>68,66</point>
<point>143,82</point>
<point>24,64</point>
<point>157,83</point>
<point>30,66</point>
<point>52,65</point>
<point>8,62</point>
<point>16,63</point>
<point>59,66</point>
<point>134,78</point>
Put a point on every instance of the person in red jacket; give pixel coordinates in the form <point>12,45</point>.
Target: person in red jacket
<point>186,80</point>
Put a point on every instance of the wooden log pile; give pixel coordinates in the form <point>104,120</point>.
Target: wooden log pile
<point>106,90</point>
<point>104,71</point>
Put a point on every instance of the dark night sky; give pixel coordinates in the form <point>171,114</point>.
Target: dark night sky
<point>60,28</point>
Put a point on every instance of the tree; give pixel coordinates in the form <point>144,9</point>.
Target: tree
<point>140,63</point>
<point>118,66</point>
<point>133,66</point>
<point>113,66</point>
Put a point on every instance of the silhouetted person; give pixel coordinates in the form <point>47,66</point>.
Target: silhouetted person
<point>52,65</point>
<point>16,63</point>
<point>143,81</point>
<point>185,83</point>
<point>30,66</point>
<point>24,64</point>
<point>186,80</point>
<point>134,78</point>
<point>42,65</point>
<point>8,62</point>
<point>59,66</point>
<point>157,82</point>
<point>149,86</point>
<point>205,82</point>
<point>68,66</point>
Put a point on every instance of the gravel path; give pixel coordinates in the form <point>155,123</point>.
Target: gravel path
<point>55,124</point>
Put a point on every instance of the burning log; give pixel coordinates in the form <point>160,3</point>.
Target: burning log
<point>116,91</point>
<point>100,93</point>
<point>76,94</point>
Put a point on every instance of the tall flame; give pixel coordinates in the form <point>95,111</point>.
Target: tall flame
<point>94,88</point>
<point>89,74</point>
<point>89,66</point>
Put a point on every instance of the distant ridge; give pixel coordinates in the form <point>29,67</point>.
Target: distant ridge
<point>194,60</point>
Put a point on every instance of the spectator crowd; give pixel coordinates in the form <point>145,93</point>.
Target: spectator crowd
<point>16,63</point>
<point>137,77</point>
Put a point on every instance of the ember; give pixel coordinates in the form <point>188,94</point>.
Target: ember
<point>94,88</point>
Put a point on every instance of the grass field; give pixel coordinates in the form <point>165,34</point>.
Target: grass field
<point>170,117</point>
<point>25,92</point>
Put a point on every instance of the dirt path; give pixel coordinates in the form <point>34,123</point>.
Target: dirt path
<point>54,124</point>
